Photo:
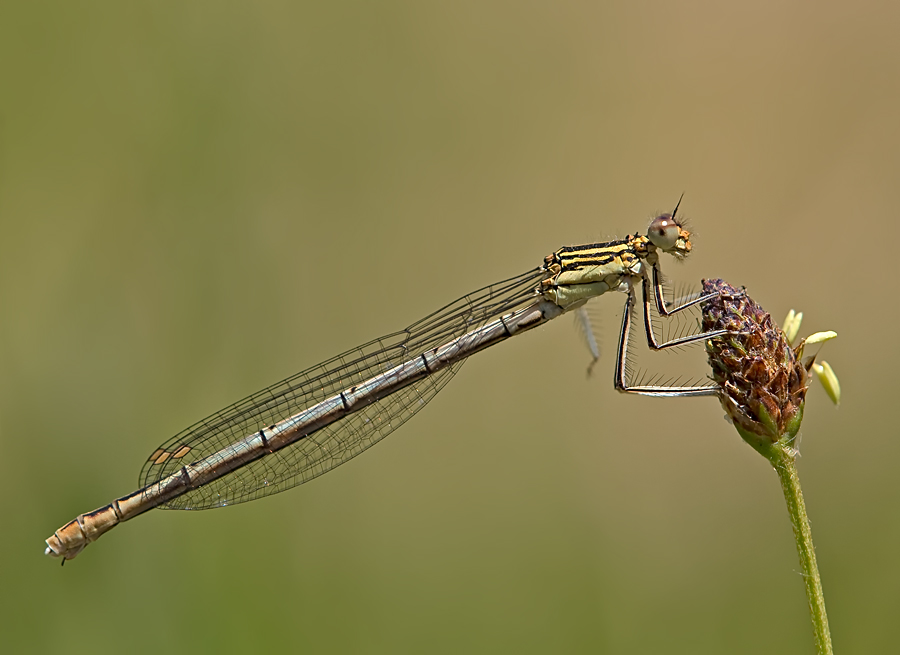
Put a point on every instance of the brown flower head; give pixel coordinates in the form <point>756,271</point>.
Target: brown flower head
<point>762,380</point>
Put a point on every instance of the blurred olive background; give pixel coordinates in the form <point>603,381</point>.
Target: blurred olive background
<point>199,199</point>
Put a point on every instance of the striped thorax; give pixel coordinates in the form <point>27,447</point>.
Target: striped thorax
<point>579,273</point>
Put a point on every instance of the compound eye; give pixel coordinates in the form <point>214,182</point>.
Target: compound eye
<point>664,232</point>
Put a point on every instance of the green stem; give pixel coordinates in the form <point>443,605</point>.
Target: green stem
<point>782,458</point>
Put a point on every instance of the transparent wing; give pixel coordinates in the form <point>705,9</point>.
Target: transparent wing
<point>334,444</point>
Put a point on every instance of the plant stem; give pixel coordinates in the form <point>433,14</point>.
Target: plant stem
<point>782,457</point>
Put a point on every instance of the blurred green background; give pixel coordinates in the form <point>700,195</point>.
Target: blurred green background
<point>199,199</point>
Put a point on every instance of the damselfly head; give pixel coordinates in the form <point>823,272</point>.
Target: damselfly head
<point>669,235</point>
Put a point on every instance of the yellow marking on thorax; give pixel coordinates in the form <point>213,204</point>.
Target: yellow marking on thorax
<point>579,273</point>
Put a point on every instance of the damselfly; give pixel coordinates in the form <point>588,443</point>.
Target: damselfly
<point>310,423</point>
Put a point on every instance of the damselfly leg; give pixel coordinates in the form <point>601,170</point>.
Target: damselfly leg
<point>623,381</point>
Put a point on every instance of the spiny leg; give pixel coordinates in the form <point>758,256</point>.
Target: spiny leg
<point>666,310</point>
<point>662,306</point>
<point>621,374</point>
<point>586,327</point>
